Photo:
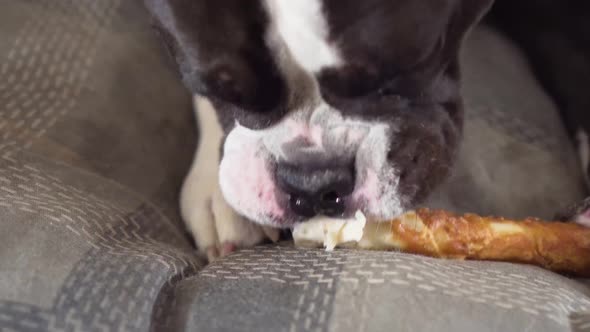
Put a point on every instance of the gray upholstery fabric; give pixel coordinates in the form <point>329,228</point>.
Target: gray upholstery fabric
<point>96,133</point>
<point>286,289</point>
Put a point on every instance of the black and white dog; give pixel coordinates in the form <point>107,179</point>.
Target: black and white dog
<point>312,107</point>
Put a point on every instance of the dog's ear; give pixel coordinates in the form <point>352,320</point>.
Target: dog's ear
<point>467,13</point>
<point>464,16</point>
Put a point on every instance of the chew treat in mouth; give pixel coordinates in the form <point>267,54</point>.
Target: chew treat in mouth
<point>330,232</point>
<point>557,246</point>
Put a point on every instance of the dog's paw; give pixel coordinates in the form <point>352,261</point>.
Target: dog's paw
<point>217,229</point>
<point>234,231</point>
<point>578,213</point>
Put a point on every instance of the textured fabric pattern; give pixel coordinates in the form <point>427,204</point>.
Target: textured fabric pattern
<point>376,291</point>
<point>88,242</point>
<point>45,69</point>
<point>96,134</point>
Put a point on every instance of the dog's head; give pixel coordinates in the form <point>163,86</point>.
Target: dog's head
<point>328,106</point>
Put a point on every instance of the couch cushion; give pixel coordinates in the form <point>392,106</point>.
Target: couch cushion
<point>287,289</point>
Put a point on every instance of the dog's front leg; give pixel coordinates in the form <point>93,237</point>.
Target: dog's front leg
<point>215,226</point>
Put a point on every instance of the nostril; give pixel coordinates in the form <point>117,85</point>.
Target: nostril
<point>331,197</point>
<point>302,206</point>
<point>331,204</point>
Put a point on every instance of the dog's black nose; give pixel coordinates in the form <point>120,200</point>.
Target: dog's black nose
<point>316,190</point>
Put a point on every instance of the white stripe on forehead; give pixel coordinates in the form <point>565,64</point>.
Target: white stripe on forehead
<point>303,28</point>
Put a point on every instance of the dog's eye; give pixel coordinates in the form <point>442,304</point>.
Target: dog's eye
<point>352,81</point>
<point>222,84</point>
<point>402,88</point>
<point>386,91</point>
<point>238,84</point>
<point>389,89</point>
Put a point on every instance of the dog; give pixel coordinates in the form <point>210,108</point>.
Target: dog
<point>310,107</point>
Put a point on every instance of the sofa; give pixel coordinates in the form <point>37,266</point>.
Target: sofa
<point>97,133</point>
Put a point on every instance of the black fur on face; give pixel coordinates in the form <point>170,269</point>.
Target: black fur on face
<point>400,67</point>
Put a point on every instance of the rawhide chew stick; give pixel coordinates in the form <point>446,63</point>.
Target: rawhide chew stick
<point>557,246</point>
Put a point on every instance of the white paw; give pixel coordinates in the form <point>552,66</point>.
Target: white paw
<point>216,227</point>
<point>234,231</point>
